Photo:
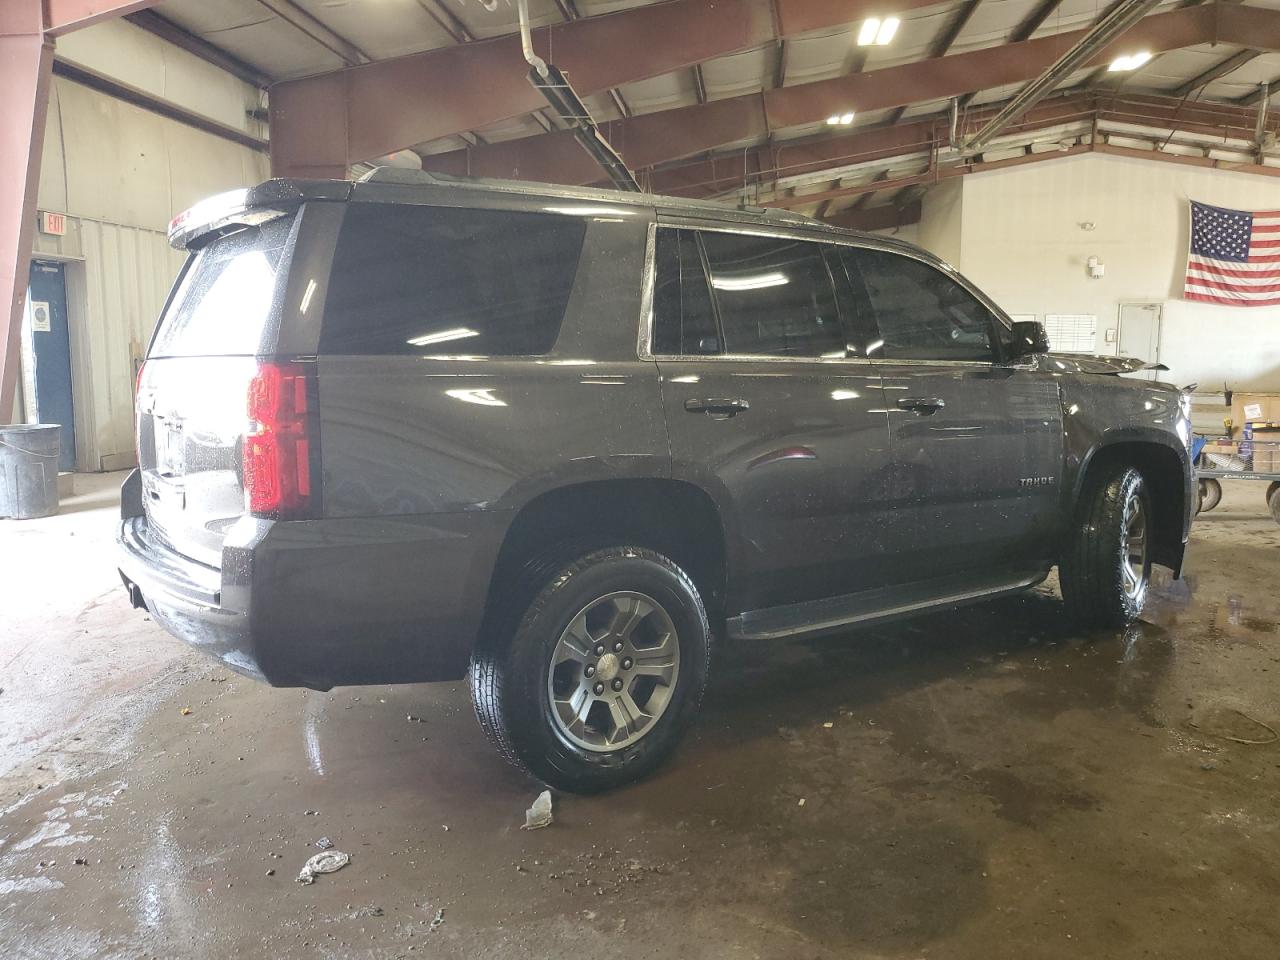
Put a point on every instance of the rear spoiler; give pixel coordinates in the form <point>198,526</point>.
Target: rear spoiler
<point>247,207</point>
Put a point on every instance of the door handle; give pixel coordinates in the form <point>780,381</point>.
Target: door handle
<point>924,406</point>
<point>718,407</point>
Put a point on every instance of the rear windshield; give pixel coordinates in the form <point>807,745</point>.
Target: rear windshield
<point>420,280</point>
<point>224,298</point>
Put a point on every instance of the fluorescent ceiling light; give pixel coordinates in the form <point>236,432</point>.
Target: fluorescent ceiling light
<point>440,336</point>
<point>840,119</point>
<point>756,282</point>
<point>1131,62</point>
<point>877,32</point>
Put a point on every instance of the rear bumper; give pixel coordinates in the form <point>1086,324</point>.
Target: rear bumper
<point>324,603</point>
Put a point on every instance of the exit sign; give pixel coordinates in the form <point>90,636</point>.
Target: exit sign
<point>54,223</point>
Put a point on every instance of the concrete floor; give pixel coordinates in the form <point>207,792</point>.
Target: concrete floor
<point>974,785</point>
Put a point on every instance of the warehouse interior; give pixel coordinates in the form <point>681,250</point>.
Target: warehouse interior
<point>991,782</point>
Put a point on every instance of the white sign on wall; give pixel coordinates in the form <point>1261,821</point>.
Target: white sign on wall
<point>40,316</point>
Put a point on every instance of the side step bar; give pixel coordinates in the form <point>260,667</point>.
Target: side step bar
<point>832,614</point>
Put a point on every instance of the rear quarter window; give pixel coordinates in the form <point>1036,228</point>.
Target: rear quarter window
<point>419,280</point>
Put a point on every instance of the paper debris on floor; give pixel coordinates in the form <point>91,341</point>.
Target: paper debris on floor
<point>539,815</point>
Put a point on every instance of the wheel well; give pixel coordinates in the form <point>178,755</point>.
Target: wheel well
<point>671,517</point>
<point>1162,471</point>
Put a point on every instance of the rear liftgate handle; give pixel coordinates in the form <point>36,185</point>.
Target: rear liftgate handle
<point>718,408</point>
<point>924,406</point>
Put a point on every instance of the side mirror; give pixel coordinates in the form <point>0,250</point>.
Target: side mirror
<point>1029,338</point>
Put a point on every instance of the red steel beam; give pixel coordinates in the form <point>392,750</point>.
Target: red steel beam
<point>667,135</point>
<point>335,119</point>
<point>26,65</point>
<point>714,175</point>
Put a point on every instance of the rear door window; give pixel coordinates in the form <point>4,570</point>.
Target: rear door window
<point>774,296</point>
<point>684,318</point>
<point>420,280</point>
<point>921,313</point>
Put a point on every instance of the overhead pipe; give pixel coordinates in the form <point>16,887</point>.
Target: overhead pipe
<point>551,83</point>
<point>1120,19</point>
<point>953,140</point>
<point>1260,131</point>
<point>526,40</point>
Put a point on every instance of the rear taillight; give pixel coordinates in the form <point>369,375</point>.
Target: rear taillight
<point>278,450</point>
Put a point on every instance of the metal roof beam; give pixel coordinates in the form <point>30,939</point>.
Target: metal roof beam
<point>333,119</point>
<point>656,138</point>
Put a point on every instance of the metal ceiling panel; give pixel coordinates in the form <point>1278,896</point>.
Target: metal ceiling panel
<point>248,31</point>
<point>504,18</point>
<point>399,26</point>
<point>820,57</point>
<point>660,93</point>
<point>741,73</point>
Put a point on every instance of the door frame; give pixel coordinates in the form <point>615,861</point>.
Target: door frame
<point>74,279</point>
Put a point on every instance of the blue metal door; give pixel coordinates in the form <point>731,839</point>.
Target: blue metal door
<point>51,343</point>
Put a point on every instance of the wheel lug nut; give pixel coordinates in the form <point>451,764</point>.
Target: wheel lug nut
<point>600,650</point>
<point>599,689</point>
<point>617,683</point>
<point>617,647</point>
<point>591,670</point>
<point>626,663</point>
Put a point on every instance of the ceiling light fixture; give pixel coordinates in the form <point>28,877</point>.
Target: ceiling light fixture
<point>877,32</point>
<point>1131,62</point>
<point>840,119</point>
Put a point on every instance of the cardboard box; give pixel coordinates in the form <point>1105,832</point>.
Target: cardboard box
<point>1254,408</point>
<point>1266,451</point>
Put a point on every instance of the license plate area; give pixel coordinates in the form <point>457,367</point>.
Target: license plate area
<point>170,449</point>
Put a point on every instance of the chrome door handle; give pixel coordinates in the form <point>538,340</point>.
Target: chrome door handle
<point>921,405</point>
<point>718,407</point>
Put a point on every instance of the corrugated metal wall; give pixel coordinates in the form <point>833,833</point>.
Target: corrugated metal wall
<point>120,173</point>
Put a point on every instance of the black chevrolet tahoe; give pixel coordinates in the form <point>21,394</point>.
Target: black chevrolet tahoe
<point>562,441</point>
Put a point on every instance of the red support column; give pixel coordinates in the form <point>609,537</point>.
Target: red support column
<point>26,64</point>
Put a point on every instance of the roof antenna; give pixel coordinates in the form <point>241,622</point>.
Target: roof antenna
<point>571,110</point>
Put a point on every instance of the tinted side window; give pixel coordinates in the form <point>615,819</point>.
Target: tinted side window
<point>774,296</point>
<point>684,321</point>
<point>922,314</point>
<point>423,280</point>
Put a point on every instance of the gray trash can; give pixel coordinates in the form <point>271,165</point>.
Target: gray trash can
<point>29,470</point>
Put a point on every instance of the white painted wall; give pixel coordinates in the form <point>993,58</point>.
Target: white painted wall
<point>1021,240</point>
<point>120,173</point>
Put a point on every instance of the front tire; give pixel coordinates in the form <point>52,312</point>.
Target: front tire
<point>593,683</point>
<point>1107,565</point>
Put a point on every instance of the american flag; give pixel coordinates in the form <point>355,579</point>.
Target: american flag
<point>1235,257</point>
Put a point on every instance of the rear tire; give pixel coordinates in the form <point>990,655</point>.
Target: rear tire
<point>1107,565</point>
<point>1210,495</point>
<point>590,680</point>
<point>1273,500</point>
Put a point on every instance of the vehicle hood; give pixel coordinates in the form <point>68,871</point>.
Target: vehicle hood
<point>1078,363</point>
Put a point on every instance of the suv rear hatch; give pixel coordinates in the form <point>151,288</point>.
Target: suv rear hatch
<point>192,406</point>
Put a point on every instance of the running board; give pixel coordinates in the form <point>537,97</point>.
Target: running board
<point>816,617</point>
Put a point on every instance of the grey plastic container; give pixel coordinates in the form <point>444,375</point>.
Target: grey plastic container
<point>29,470</point>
